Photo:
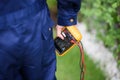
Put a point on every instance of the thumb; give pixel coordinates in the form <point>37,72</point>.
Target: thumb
<point>59,31</point>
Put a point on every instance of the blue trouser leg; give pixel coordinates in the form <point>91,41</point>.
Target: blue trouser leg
<point>11,51</point>
<point>27,50</point>
<point>9,68</point>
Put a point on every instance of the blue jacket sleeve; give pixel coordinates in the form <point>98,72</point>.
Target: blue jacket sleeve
<point>67,12</point>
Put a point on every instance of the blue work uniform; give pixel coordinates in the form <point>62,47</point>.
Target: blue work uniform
<point>27,49</point>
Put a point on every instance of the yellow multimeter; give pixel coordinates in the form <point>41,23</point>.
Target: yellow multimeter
<point>70,34</point>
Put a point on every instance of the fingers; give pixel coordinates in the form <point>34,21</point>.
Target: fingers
<point>59,31</point>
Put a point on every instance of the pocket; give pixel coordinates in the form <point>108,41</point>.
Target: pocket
<point>47,30</point>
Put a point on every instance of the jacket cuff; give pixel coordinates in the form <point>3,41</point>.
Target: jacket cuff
<point>67,21</point>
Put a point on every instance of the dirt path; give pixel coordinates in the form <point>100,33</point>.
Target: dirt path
<point>101,55</point>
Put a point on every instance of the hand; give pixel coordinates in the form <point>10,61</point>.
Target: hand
<point>59,30</point>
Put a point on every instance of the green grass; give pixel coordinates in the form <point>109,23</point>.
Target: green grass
<point>52,3</point>
<point>68,67</point>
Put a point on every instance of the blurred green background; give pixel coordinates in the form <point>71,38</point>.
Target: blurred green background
<point>102,15</point>
<point>68,67</point>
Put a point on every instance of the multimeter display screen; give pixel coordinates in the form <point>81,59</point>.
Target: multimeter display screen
<point>63,45</point>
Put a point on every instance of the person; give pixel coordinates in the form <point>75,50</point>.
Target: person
<point>27,49</point>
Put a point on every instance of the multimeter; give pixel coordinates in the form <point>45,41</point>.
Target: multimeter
<point>70,34</point>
